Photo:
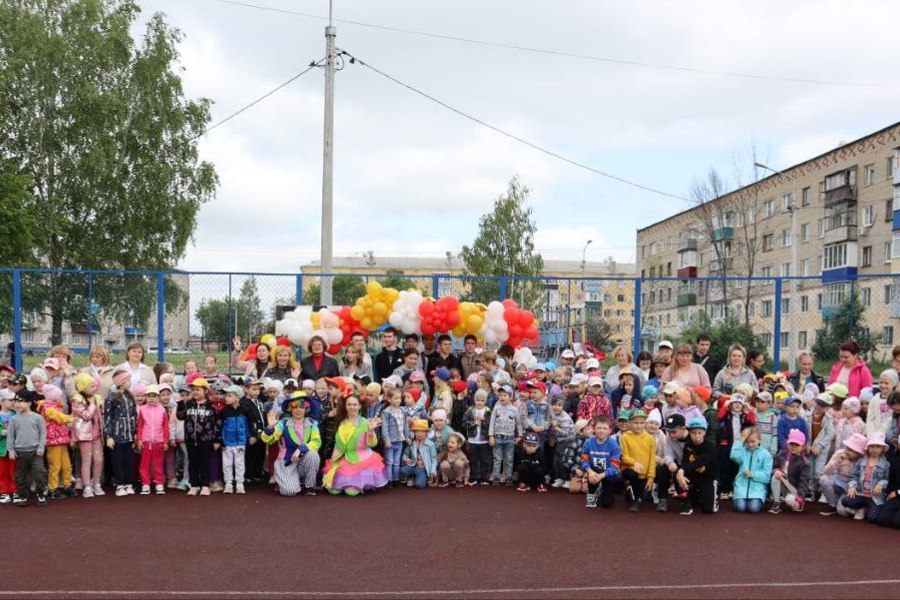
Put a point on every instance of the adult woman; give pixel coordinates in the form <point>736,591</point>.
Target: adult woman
<point>734,373</point>
<point>623,358</point>
<point>755,360</point>
<point>354,367</point>
<point>354,467</point>
<point>284,366</point>
<point>805,374</point>
<point>684,370</point>
<point>99,368</point>
<point>318,364</point>
<point>645,363</point>
<point>140,373</point>
<point>850,369</point>
<point>255,367</point>
<point>59,359</point>
<point>297,462</point>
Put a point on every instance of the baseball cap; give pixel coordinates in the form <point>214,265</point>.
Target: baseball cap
<point>532,439</point>
<point>592,363</point>
<point>442,373</point>
<point>538,385</point>
<point>579,379</point>
<point>595,381</point>
<point>792,400</point>
<point>671,387</point>
<point>459,386</point>
<point>506,388</point>
<point>675,421</point>
<point>697,423</point>
<point>567,353</point>
<point>666,344</point>
<point>235,389</point>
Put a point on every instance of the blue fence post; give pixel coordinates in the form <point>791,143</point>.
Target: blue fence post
<point>17,318</point>
<point>503,284</point>
<point>776,341</point>
<point>160,317</point>
<point>298,295</point>
<point>636,344</point>
<point>435,285</point>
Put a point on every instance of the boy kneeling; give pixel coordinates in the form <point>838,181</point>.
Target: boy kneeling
<point>600,458</point>
<point>698,472</point>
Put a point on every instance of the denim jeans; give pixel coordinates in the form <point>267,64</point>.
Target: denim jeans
<point>392,458</point>
<point>748,505</point>
<point>419,475</point>
<point>504,447</point>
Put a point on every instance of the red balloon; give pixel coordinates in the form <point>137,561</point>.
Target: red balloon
<point>426,309</point>
<point>510,303</point>
<point>531,333</point>
<point>427,328</point>
<point>515,342</point>
<point>526,318</point>
<point>515,331</point>
<point>334,349</point>
<point>452,320</point>
<point>283,341</point>
<point>511,315</point>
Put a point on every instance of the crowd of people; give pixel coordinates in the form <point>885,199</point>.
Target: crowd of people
<point>673,430</point>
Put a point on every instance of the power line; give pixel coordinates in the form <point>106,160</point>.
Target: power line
<point>311,66</point>
<point>562,53</point>
<point>511,136</point>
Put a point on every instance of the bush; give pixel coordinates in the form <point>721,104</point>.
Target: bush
<point>848,322</point>
<point>723,333</point>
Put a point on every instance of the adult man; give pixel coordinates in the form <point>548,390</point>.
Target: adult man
<point>358,341</point>
<point>427,352</point>
<point>702,357</point>
<point>444,357</point>
<point>390,356</point>
<point>468,359</point>
<point>666,349</point>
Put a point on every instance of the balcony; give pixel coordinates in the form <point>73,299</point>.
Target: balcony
<point>687,273</point>
<point>840,195</point>
<point>687,299</point>
<point>687,245</point>
<point>895,309</point>
<point>723,233</point>
<point>897,175</point>
<point>721,266</point>
<point>841,227</point>
<point>828,312</point>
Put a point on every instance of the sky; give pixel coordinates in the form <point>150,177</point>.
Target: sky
<point>412,178</point>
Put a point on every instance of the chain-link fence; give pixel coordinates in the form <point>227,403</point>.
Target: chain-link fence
<point>182,316</point>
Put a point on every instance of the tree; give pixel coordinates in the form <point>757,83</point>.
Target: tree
<point>715,214</point>
<point>223,319</point>
<point>17,227</point>
<point>401,283</point>
<point>598,332</point>
<point>723,334</point>
<point>504,246</point>
<point>345,289</point>
<point>249,313</point>
<point>100,125</point>
<point>847,322</point>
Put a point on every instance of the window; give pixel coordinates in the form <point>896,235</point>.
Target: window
<point>768,240</point>
<point>821,228</point>
<point>897,197</point>
<point>787,202</point>
<point>888,294</point>
<point>766,308</point>
<point>887,335</point>
<point>669,295</point>
<point>804,232</point>
<point>867,256</point>
<point>895,244</point>
<point>889,165</point>
<point>740,219</point>
<point>766,339</point>
<point>785,306</point>
<point>784,339</point>
<point>804,305</point>
<point>835,256</point>
<point>768,208</point>
<point>818,301</point>
<point>766,271</point>
<point>801,339</point>
<point>668,269</point>
<point>786,240</point>
<point>804,197</point>
<point>835,294</point>
<point>865,296</point>
<point>887,252</point>
<point>751,309</point>
<point>868,216</point>
<point>889,210</point>
<point>751,215</point>
<point>804,267</point>
<point>786,269</point>
<point>868,175</point>
<point>621,297</point>
<point>841,179</point>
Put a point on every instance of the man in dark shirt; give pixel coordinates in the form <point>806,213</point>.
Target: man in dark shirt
<point>444,357</point>
<point>703,358</point>
<point>390,356</point>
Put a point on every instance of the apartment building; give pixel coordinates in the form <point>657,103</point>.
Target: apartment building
<point>833,219</point>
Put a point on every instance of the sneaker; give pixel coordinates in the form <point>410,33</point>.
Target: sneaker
<point>859,515</point>
<point>160,489</point>
<point>565,485</point>
<point>121,490</point>
<point>172,484</point>
<point>443,484</point>
<point>193,491</point>
<point>239,489</point>
<point>271,480</point>
<point>184,485</point>
<point>557,483</point>
<point>662,506</point>
<point>410,483</point>
<point>828,513</point>
<point>686,511</point>
<point>87,492</point>
<point>42,499</point>
<point>485,482</point>
<point>635,506</point>
<point>130,490</point>
<point>823,499</point>
<point>523,488</point>
<point>591,501</point>
<point>20,500</point>
<point>776,509</point>
<point>145,490</point>
<point>98,489</point>
<point>542,488</point>
<point>5,499</point>
<point>216,486</point>
<point>69,492</point>
<point>228,489</point>
<point>723,496</point>
<point>629,494</point>
<point>205,491</point>
<point>309,491</point>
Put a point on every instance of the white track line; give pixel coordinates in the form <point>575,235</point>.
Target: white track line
<point>468,592</point>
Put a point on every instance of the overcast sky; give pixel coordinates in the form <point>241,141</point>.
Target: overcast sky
<point>412,178</point>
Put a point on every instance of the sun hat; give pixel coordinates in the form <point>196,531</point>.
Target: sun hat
<point>837,389</point>
<point>152,390</point>
<point>857,442</point>
<point>671,387</point>
<point>795,436</point>
<point>825,399</point>
<point>200,382</point>
<point>876,438</point>
<point>419,425</point>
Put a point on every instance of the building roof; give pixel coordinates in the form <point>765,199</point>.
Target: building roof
<point>774,175</point>
<point>455,264</point>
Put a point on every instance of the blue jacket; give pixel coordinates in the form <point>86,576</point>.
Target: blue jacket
<point>601,458</point>
<point>390,432</point>
<point>235,426</point>
<point>538,414</point>
<point>759,463</point>
<point>428,452</point>
<point>879,477</point>
<point>785,424</point>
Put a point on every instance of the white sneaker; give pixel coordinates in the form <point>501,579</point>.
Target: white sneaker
<point>823,499</point>
<point>216,486</point>
<point>88,492</point>
<point>121,490</point>
<point>145,490</point>
<point>229,489</point>
<point>271,479</point>
<point>98,490</point>
<point>557,483</point>
<point>130,490</point>
<point>565,485</point>
<point>193,491</point>
<point>160,489</point>
<point>204,491</point>
<point>240,489</point>
<point>6,499</point>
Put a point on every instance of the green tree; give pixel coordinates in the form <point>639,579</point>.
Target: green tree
<point>504,246</point>
<point>249,312</point>
<point>345,289</point>
<point>100,125</point>
<point>723,334</point>
<point>17,227</point>
<point>598,332</point>
<point>847,322</point>
<point>400,283</point>
<point>223,319</point>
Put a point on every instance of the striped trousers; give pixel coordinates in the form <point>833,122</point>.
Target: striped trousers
<point>295,476</point>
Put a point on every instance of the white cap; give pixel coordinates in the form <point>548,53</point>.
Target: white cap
<point>579,379</point>
<point>567,353</point>
<point>592,363</point>
<point>595,381</point>
<point>667,344</point>
<point>671,387</point>
<point>655,416</point>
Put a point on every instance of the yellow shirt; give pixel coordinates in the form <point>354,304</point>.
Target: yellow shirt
<point>639,448</point>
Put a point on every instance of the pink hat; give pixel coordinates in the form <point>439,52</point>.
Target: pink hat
<point>54,394</point>
<point>796,437</point>
<point>139,388</point>
<point>876,439</point>
<point>51,363</point>
<point>851,404</point>
<point>856,442</point>
<point>165,386</point>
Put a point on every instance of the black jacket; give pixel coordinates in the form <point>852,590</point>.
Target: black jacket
<point>816,379</point>
<point>328,368</point>
<point>710,364</point>
<point>699,460</point>
<point>257,415</point>
<point>201,422</point>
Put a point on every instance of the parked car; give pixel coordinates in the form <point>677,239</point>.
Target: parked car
<point>177,350</point>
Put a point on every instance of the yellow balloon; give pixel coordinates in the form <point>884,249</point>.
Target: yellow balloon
<point>473,323</point>
<point>366,323</point>
<point>358,313</point>
<point>268,340</point>
<point>458,331</point>
<point>380,309</point>
<point>392,295</point>
<point>373,289</point>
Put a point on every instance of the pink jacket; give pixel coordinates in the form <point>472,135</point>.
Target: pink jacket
<point>844,428</point>
<point>860,377</point>
<point>840,467</point>
<point>153,424</point>
<point>57,422</point>
<point>87,420</point>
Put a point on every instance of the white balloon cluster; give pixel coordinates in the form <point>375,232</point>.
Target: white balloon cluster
<point>297,326</point>
<point>524,356</point>
<point>405,312</point>
<point>495,330</point>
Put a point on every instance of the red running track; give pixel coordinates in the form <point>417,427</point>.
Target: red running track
<point>435,543</point>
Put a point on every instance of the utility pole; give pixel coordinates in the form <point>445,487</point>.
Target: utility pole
<point>328,163</point>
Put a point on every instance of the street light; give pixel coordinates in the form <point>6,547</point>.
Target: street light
<point>793,297</point>
<point>583,254</point>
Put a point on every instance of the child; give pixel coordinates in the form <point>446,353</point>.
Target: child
<point>458,410</point>
<point>454,463</point>
<point>626,396</point>
<point>443,395</point>
<point>600,462</point>
<point>766,422</point>
<point>821,430</point>
<point>86,433</point>
<point>791,471</point>
<point>120,428</point>
<point>751,484</point>
<point>440,431</point>
<point>868,483</point>
<point>654,428</point>
<point>621,425</point>
<point>177,449</point>
<point>849,422</point>
<point>650,394</point>
<point>563,436</point>
<point>836,475</point>
<point>584,430</point>
<point>531,468</point>
<point>413,407</point>
<point>419,458</point>
<point>701,396</point>
<point>477,424</point>
<point>234,432</point>
<point>7,465</point>
<point>152,440</point>
<point>698,475</point>
<point>200,435</point>
<point>789,420</point>
<point>394,431</point>
<point>638,460</point>
<point>684,405</point>
<point>505,431</point>
<point>537,411</point>
<point>255,452</point>
<point>59,467</point>
<point>878,415</point>
<point>573,395</point>
<point>594,403</point>
<point>26,440</point>
<point>485,381</point>
<point>733,417</point>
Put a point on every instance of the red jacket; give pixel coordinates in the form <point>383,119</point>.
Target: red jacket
<point>860,377</point>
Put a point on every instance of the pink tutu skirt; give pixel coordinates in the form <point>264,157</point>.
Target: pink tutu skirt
<point>365,475</point>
